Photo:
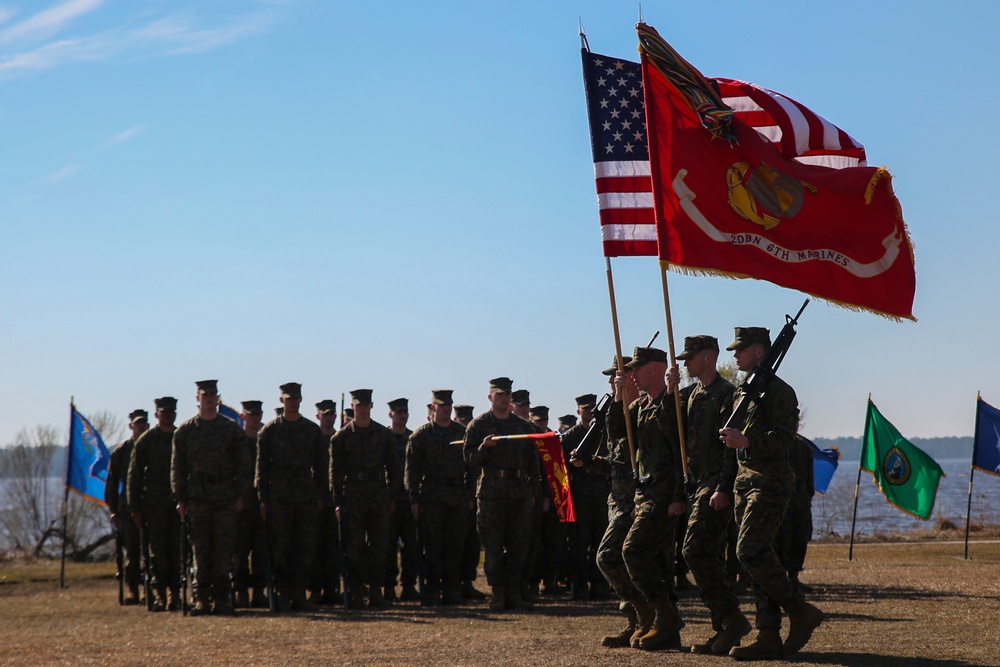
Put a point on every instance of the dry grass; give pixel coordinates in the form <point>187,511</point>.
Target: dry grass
<point>894,605</point>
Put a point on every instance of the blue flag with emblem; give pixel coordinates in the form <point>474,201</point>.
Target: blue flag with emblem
<point>86,459</point>
<point>986,446</point>
<point>825,463</point>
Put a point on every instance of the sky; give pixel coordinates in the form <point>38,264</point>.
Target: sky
<point>400,196</point>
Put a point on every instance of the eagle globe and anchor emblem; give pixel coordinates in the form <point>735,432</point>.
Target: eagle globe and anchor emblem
<point>896,466</point>
<point>763,195</point>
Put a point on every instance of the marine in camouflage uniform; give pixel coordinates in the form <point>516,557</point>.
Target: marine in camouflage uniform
<point>705,407</point>
<point>208,475</point>
<point>520,406</point>
<point>796,528</point>
<point>764,483</point>
<point>362,470</point>
<point>439,485</point>
<point>472,549</point>
<point>589,485</point>
<point>293,485</point>
<point>505,492</point>
<point>116,496</point>
<point>550,561</point>
<point>659,498</point>
<point>403,553</point>
<point>251,559</point>
<point>617,460</point>
<point>153,505</point>
<point>324,586</point>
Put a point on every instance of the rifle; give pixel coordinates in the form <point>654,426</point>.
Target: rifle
<point>753,385</point>
<point>119,564</point>
<point>184,568</point>
<point>591,441</point>
<point>271,578</point>
<point>147,579</point>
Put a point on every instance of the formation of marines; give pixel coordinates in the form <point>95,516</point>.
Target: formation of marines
<point>295,513</point>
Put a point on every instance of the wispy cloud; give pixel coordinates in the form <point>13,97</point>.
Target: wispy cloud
<point>124,136</point>
<point>43,47</point>
<point>59,175</point>
<point>48,22</point>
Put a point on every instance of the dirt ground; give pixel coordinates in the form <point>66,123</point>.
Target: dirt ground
<point>912,604</point>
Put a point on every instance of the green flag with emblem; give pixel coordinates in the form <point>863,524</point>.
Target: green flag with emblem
<point>904,473</point>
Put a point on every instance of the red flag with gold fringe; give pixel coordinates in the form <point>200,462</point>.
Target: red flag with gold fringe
<point>550,447</point>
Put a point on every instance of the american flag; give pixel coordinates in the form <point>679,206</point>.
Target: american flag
<point>616,110</point>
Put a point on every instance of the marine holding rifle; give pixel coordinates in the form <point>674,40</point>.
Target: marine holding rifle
<point>705,406</point>
<point>764,483</point>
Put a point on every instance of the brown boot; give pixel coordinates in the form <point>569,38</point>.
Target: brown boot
<point>666,624</point>
<point>452,594</point>
<point>499,600</point>
<point>159,600</point>
<point>767,646</point>
<point>409,594</point>
<point>242,598</point>
<point>133,596</point>
<point>646,614</point>
<point>706,646</point>
<point>624,638</point>
<point>801,623</point>
<point>735,628</point>
<point>514,598</point>
<point>173,599</point>
<point>470,592</point>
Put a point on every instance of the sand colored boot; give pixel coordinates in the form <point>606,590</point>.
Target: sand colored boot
<point>666,626</point>
<point>767,646</point>
<point>645,615</point>
<point>624,638</point>
<point>735,627</point>
<point>801,622</point>
<point>498,602</point>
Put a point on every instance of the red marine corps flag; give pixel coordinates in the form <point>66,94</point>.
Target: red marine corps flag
<point>732,199</point>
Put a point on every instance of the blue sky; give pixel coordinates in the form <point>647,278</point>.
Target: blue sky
<point>400,196</point>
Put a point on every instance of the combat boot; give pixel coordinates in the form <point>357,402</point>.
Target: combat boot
<point>470,592</point>
<point>201,605</point>
<point>624,638</point>
<point>646,614</point>
<point>409,594</point>
<point>515,600</point>
<point>452,595</point>
<point>665,626</point>
<point>527,591</point>
<point>356,598</point>
<point>159,600</point>
<point>299,601</point>
<point>706,646</point>
<point>735,627</point>
<point>224,606</point>
<point>499,600</point>
<point>801,622</point>
<point>375,598</point>
<point>389,593</point>
<point>258,600</point>
<point>242,598</point>
<point>331,596</point>
<point>133,596</point>
<point>767,646</point>
<point>173,599</point>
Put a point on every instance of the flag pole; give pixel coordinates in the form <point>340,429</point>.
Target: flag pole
<point>621,366</point>
<point>972,473</point>
<point>673,362</point>
<point>857,490</point>
<point>69,460</point>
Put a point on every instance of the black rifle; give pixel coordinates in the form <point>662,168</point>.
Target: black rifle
<point>344,573</point>
<point>753,385</point>
<point>591,441</point>
<point>147,573</point>
<point>119,564</point>
<point>271,578</point>
<point>184,567</point>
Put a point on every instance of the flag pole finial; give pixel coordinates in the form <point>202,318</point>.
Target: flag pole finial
<point>584,44</point>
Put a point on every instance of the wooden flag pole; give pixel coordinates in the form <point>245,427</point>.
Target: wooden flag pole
<point>621,367</point>
<point>972,472</point>
<point>673,362</point>
<point>854,517</point>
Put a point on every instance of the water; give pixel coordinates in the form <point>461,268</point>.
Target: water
<point>832,512</point>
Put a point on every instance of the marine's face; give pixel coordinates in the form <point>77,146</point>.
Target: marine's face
<point>205,400</point>
<point>291,405</point>
<point>251,420</point>
<point>326,419</point>
<point>165,418</point>
<point>362,411</point>
<point>500,400</point>
<point>138,427</point>
<point>748,357</point>
<point>441,413</point>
